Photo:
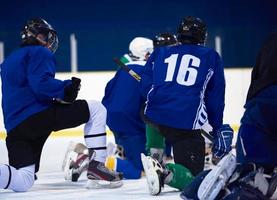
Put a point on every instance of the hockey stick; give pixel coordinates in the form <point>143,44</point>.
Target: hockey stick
<point>127,69</point>
<point>207,135</point>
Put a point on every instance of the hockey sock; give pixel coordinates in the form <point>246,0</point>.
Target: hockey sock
<point>5,176</point>
<point>181,176</point>
<point>95,131</point>
<point>153,138</point>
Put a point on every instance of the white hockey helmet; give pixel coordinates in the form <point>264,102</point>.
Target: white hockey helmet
<point>139,47</point>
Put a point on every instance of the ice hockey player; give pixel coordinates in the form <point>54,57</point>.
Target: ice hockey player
<point>124,117</point>
<point>34,104</point>
<point>255,176</point>
<point>124,108</point>
<point>258,128</point>
<point>161,40</point>
<point>138,48</point>
<point>124,102</point>
<point>185,86</point>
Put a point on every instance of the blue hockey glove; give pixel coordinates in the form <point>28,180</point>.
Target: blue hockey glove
<point>222,141</point>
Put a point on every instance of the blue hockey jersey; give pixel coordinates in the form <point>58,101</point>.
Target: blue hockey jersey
<point>184,86</point>
<point>123,101</point>
<point>28,84</point>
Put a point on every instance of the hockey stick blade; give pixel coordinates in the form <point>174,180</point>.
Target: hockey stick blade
<point>127,69</point>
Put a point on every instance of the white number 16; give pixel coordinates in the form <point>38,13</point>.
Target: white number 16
<point>186,74</point>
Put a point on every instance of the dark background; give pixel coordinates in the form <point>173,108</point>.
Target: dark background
<point>104,28</point>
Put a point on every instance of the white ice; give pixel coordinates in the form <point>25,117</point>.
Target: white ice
<point>52,186</point>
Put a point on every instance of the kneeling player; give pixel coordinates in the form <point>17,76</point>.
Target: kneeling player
<point>185,86</point>
<point>124,103</point>
<point>35,104</point>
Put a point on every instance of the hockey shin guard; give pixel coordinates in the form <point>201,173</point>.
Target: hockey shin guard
<point>181,176</point>
<point>154,140</point>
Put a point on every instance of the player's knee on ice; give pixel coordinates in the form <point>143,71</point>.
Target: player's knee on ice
<point>18,180</point>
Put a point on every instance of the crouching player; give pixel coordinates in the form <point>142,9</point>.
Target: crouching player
<point>124,102</point>
<point>124,111</point>
<point>35,104</point>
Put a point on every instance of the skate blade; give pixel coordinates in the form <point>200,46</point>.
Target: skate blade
<point>68,175</point>
<point>152,177</point>
<point>68,172</point>
<point>98,184</point>
<point>69,149</point>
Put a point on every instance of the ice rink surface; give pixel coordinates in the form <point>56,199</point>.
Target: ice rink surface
<point>52,186</point>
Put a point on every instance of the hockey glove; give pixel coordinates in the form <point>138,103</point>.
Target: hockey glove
<point>71,91</point>
<point>222,141</point>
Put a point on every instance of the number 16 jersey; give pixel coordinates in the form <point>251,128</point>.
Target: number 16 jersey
<point>184,86</point>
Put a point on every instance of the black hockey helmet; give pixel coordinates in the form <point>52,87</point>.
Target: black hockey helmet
<point>164,39</point>
<point>192,30</point>
<point>34,27</point>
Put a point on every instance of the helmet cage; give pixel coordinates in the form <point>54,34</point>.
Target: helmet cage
<point>31,31</point>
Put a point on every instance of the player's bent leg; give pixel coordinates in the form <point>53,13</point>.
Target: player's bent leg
<point>154,139</point>
<point>133,144</point>
<point>95,130</point>
<point>18,180</point>
<point>129,170</point>
<point>95,137</point>
<point>190,152</point>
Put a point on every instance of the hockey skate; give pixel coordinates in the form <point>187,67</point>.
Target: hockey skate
<point>75,162</point>
<point>154,173</point>
<point>217,178</point>
<point>101,177</point>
